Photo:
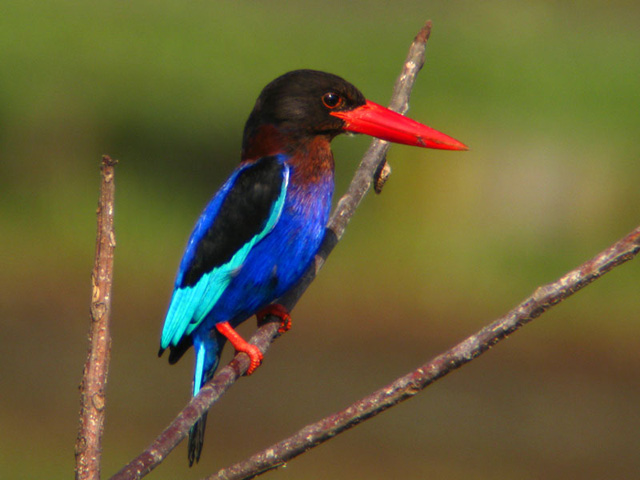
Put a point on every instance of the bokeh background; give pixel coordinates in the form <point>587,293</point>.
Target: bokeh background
<point>546,93</point>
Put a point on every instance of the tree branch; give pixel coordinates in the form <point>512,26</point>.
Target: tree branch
<point>227,376</point>
<point>88,448</point>
<point>414,382</point>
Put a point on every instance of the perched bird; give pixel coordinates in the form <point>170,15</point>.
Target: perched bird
<point>261,230</point>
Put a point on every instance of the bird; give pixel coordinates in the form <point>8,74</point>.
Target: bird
<point>261,230</point>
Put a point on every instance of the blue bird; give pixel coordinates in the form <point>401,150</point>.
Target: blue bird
<point>261,230</point>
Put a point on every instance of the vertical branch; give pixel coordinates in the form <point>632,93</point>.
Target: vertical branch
<point>88,448</point>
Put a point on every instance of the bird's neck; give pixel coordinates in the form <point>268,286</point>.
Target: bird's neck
<point>263,141</point>
<point>312,162</point>
<point>310,156</point>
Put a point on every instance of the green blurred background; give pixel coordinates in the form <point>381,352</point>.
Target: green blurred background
<point>546,93</point>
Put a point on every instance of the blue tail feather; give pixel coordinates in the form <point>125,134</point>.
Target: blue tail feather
<point>208,348</point>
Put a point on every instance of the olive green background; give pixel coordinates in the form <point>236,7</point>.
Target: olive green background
<point>546,94</point>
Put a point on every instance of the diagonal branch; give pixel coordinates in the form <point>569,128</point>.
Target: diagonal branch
<point>227,376</point>
<point>414,382</point>
<point>92,389</point>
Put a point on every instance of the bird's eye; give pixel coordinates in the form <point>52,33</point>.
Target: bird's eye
<point>332,100</point>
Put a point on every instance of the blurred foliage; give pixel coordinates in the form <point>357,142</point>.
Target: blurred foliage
<point>546,93</point>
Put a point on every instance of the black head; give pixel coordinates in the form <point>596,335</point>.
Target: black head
<point>299,103</point>
<point>303,104</point>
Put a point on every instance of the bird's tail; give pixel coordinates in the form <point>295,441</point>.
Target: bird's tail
<point>208,350</point>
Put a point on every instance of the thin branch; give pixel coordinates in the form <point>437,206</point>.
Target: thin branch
<point>88,448</point>
<point>227,376</point>
<point>414,382</point>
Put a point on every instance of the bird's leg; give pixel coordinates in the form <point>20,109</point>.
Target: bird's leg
<point>279,311</point>
<point>241,345</point>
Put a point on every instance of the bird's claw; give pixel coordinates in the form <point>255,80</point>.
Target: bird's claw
<point>241,345</point>
<point>279,311</point>
<point>255,358</point>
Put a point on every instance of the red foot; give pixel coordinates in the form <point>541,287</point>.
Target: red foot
<point>241,345</point>
<point>279,311</point>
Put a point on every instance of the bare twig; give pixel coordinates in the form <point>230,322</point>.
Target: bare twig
<point>400,98</point>
<point>88,448</point>
<point>412,383</point>
<point>225,377</point>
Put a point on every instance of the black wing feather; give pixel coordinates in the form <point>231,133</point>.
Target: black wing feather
<point>243,214</point>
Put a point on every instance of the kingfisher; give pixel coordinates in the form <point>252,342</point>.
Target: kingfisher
<point>261,230</point>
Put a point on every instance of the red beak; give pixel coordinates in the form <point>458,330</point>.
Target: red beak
<point>380,122</point>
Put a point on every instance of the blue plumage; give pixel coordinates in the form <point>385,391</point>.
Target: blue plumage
<point>258,272</point>
<point>192,304</point>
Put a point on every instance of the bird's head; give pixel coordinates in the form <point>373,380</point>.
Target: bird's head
<point>308,103</point>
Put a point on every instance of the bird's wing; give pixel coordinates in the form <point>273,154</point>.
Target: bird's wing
<point>244,211</point>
